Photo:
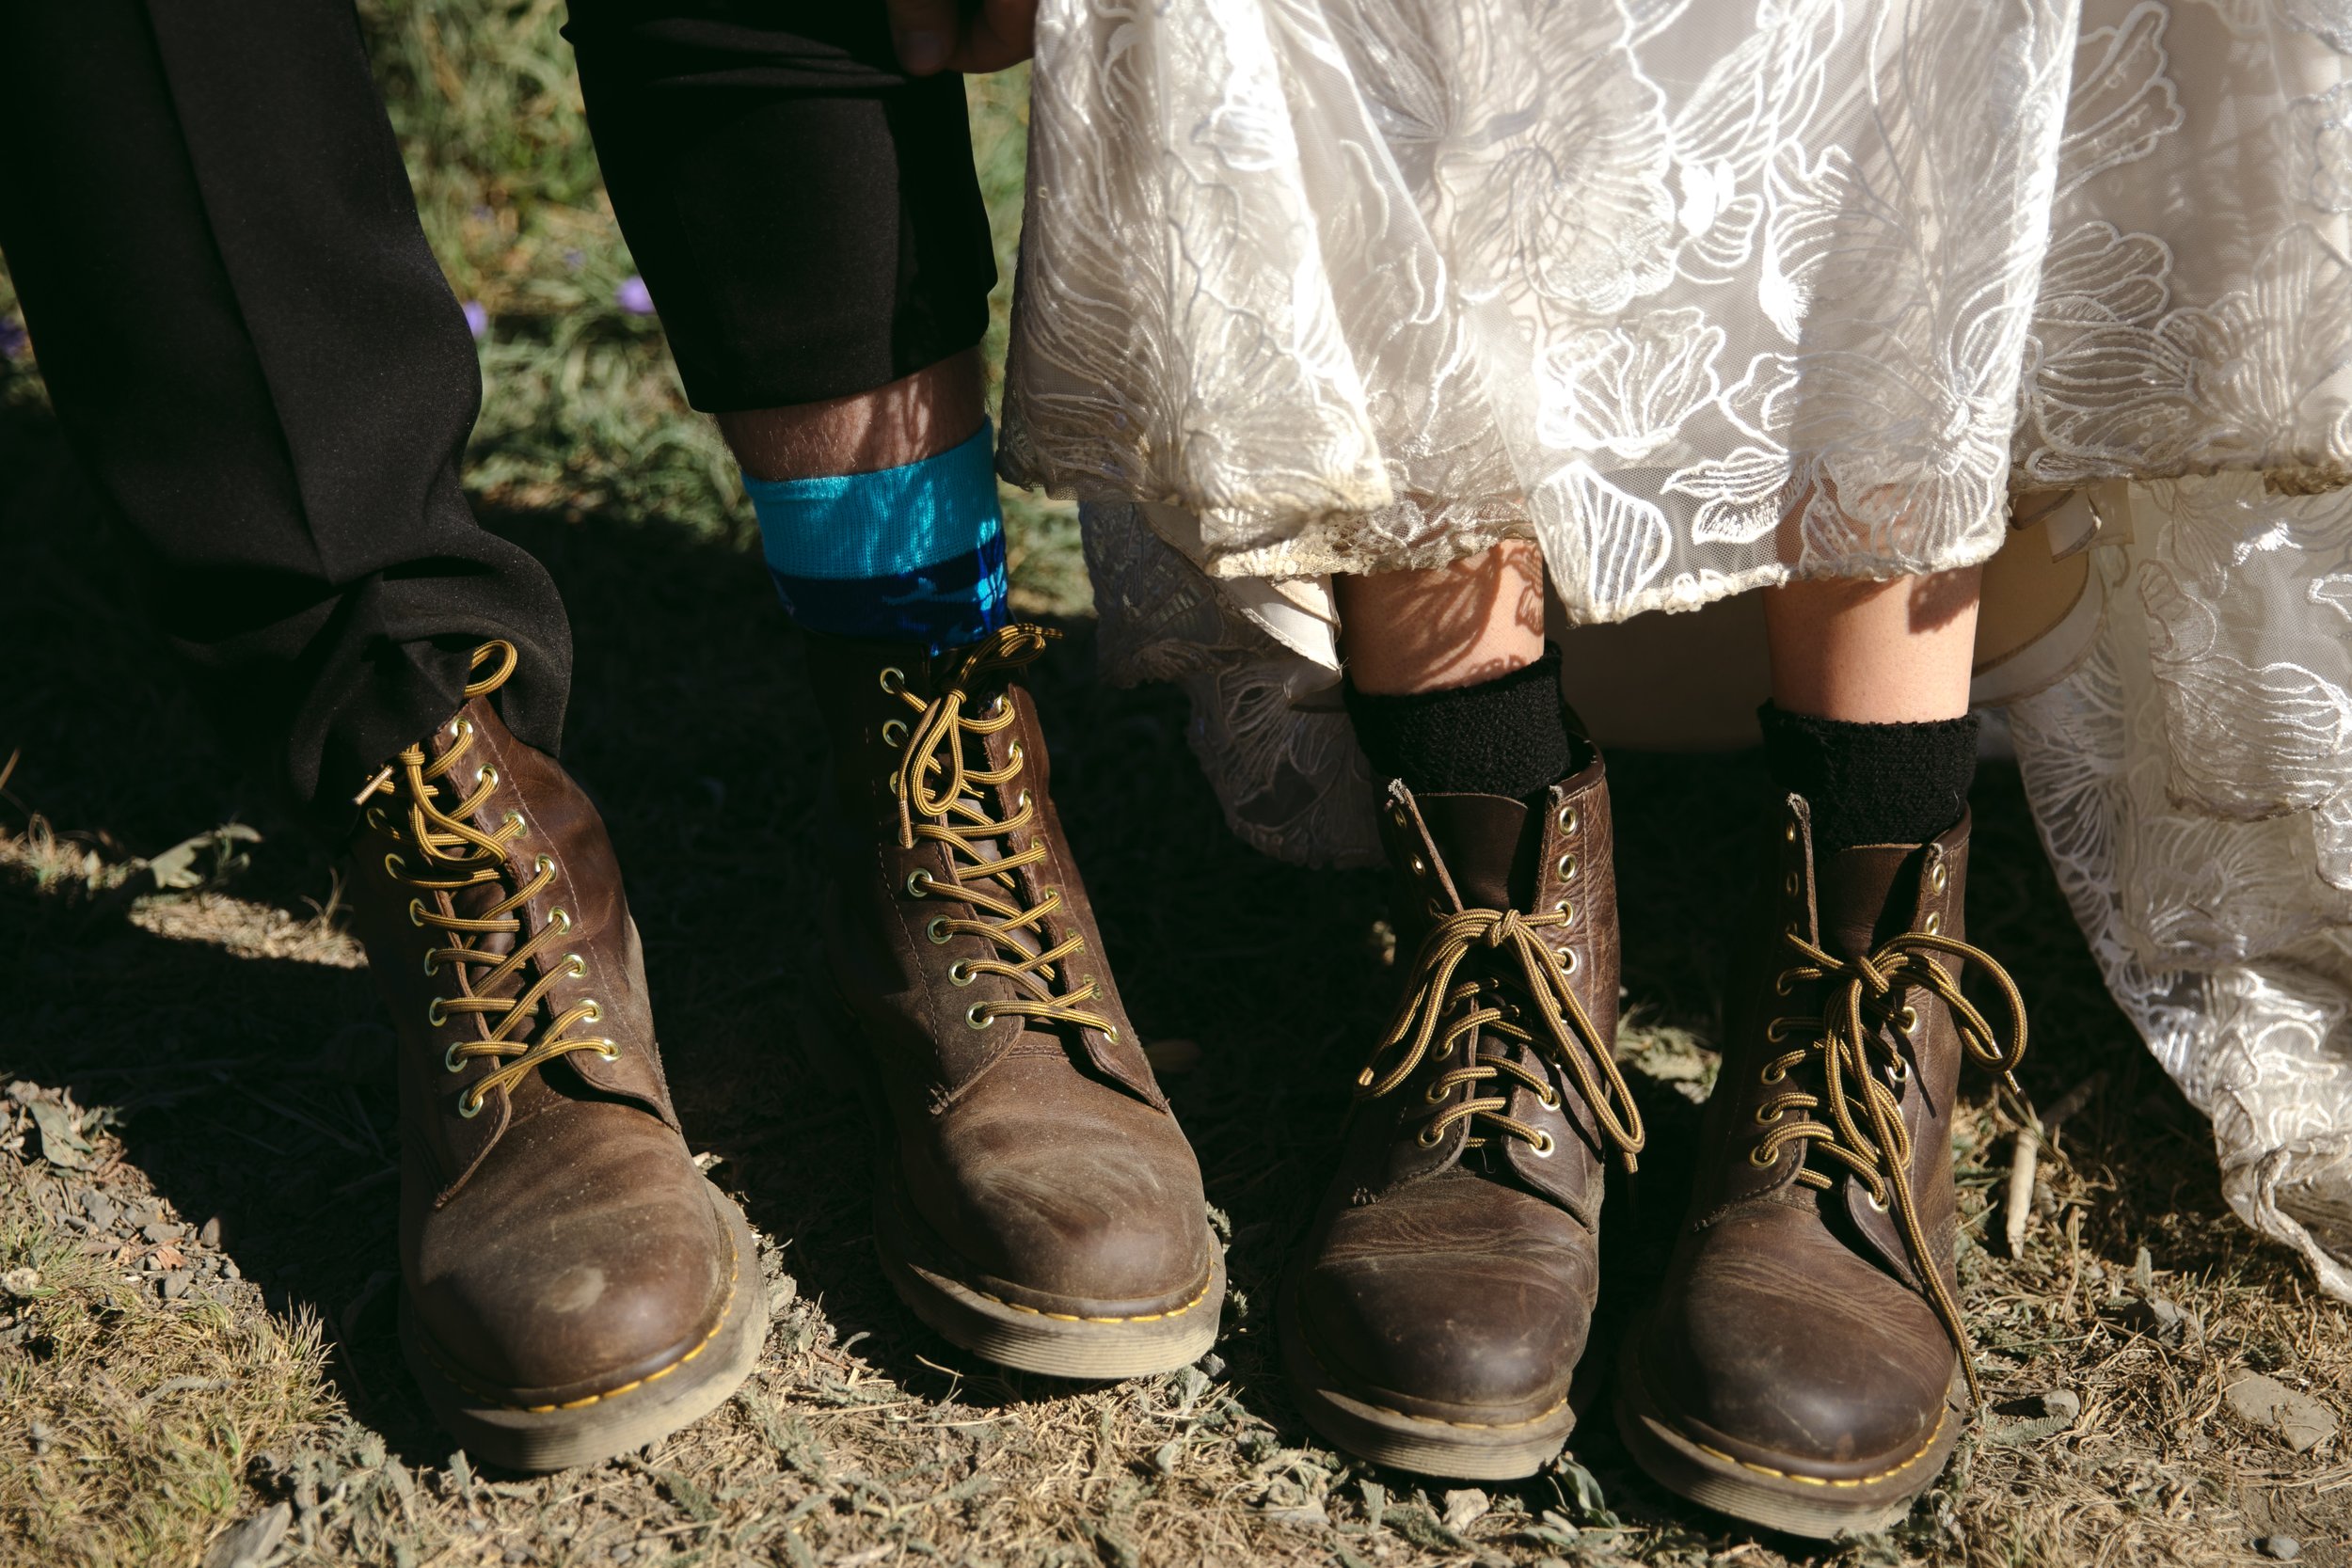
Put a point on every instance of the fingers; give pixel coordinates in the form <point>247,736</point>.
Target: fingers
<point>925,33</point>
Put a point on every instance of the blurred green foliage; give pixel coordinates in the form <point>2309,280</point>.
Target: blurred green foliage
<point>582,411</point>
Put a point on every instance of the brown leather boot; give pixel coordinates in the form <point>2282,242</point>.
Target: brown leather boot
<point>1039,1205</point>
<point>1434,1317</point>
<point>572,1287</point>
<point>1804,1367</point>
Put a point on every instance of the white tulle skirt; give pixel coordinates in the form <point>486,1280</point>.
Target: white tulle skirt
<point>1706,296</point>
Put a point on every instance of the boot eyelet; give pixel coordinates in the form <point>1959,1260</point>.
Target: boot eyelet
<point>1567,867</point>
<point>561,920</point>
<point>1876,1201</point>
<point>1421,868</point>
<point>1898,1072</point>
<point>485,777</point>
<point>543,866</point>
<point>995,710</point>
<point>1398,816</point>
<point>434,1015</point>
<point>375,820</point>
<point>1568,962</point>
<point>1763,1158</point>
<point>1934,923</point>
<point>1789,833</point>
<point>1937,877</point>
<point>894,681</point>
<point>515,821</point>
<point>977,1016</point>
<point>1767,1115</point>
<point>592,1011</point>
<point>1565,910</point>
<point>1907,1020</point>
<point>462,729</point>
<point>1548,1100</point>
<point>937,930</point>
<point>1790,885</point>
<point>1053,896</point>
<point>1437,910</point>
<point>392,864</point>
<point>1012,757</point>
<point>1774,1072</point>
<point>1782,983</point>
<point>452,1060</point>
<point>1544,1145</point>
<point>1776,1031</point>
<point>1111,1035</point>
<point>576,966</point>
<point>415,911</point>
<point>897,738</point>
<point>1021,801</point>
<point>609,1052</point>
<point>918,882</point>
<point>1436,1094</point>
<point>467,1106</point>
<point>1568,819</point>
<point>432,966</point>
<point>1427,1137</point>
<point>960,973</point>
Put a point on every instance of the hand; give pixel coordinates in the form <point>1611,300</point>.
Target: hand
<point>933,36</point>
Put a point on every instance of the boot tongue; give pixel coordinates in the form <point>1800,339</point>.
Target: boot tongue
<point>1865,896</point>
<point>1482,842</point>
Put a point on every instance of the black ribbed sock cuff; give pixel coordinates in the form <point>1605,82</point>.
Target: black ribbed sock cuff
<point>1510,736</point>
<point>1872,783</point>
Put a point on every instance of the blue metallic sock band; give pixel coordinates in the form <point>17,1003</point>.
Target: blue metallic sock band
<point>910,554</point>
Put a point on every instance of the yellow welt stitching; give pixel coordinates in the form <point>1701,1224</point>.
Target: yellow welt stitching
<point>1073,1317</point>
<point>735,1273</point>
<point>1942,1415</point>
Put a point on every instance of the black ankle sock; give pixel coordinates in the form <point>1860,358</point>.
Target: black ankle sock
<point>1509,736</point>
<point>1872,783</point>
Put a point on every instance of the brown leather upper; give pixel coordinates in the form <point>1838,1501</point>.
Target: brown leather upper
<point>1038,1151</point>
<point>558,1242</point>
<point>1453,1268</point>
<point>1794,1331</point>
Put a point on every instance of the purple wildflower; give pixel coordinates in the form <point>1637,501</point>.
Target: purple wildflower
<point>13,339</point>
<point>477,319</point>
<point>633,296</point>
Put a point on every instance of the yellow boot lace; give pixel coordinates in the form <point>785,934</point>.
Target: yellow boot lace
<point>451,855</point>
<point>1483,1002</point>
<point>931,747</point>
<point>1865,1131</point>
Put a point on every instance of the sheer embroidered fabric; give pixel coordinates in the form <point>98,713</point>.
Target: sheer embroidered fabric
<point>1707,295</point>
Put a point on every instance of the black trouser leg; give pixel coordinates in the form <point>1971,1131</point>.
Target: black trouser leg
<point>805,213</point>
<point>248,343</point>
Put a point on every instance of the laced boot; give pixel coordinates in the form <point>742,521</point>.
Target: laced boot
<point>1435,1316</point>
<point>1039,1205</point>
<point>1805,1367</point>
<point>572,1287</point>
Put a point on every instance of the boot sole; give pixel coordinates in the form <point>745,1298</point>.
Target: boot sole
<point>1819,1509</point>
<point>1426,1445</point>
<point>537,1439</point>
<point>1059,1343</point>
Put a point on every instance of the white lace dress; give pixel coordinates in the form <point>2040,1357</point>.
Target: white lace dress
<point>1707,296</point>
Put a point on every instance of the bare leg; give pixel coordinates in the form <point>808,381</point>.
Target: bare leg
<point>1874,653</point>
<point>1454,625</point>
<point>920,416</point>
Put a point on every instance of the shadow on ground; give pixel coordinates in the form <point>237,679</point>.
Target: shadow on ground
<point>256,1089</point>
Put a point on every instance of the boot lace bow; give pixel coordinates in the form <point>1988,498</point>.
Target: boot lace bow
<point>937,787</point>
<point>1489,1000</point>
<point>438,851</point>
<point>1846,1042</point>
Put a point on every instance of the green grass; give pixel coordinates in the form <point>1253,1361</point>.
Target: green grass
<point>582,413</point>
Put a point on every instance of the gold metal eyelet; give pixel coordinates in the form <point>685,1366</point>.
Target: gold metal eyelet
<point>452,1060</point>
<point>515,821</point>
<point>1781,982</point>
<point>1021,801</point>
<point>1437,910</point>
<point>1900,1072</point>
<point>392,864</point>
<point>561,920</point>
<point>937,930</point>
<point>576,966</point>
<point>894,681</point>
<point>434,1015</point>
<point>469,1107</point>
<point>1568,960</point>
<point>485,776</point>
<point>1789,833</point>
<point>1907,1019</point>
<point>1790,885</point>
<point>1436,1094</point>
<point>1548,1098</point>
<point>432,965</point>
<point>918,880</point>
<point>542,865</point>
<point>592,1011</point>
<point>1776,1031</point>
<point>1421,868</point>
<point>1544,1145</point>
<point>1012,757</point>
<point>897,738</point>
<point>1937,876</point>
<point>1568,819</point>
<point>1765,1119</point>
<point>977,1016</point>
<point>960,973</point>
<point>415,911</point>
<point>1774,1072</point>
<point>995,709</point>
<point>1761,1157</point>
<point>1397,815</point>
<point>1427,1137</point>
<point>376,820</point>
<point>1567,867</point>
<point>1111,1034</point>
<point>1565,910</point>
<point>609,1052</point>
<point>462,729</point>
<point>1934,923</point>
<point>1875,1200</point>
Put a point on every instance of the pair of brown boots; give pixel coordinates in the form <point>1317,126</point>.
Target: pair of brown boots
<point>575,1287</point>
<point>1804,1366</point>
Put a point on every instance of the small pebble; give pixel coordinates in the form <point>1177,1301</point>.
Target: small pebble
<point>2063,1402</point>
<point>2285,1548</point>
<point>159,1231</point>
<point>228,1269</point>
<point>210,1235</point>
<point>41,1435</point>
<point>99,1209</point>
<point>21,1282</point>
<point>176,1284</point>
<point>517,1554</point>
<point>1213,1364</point>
